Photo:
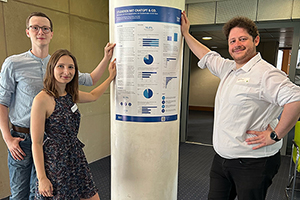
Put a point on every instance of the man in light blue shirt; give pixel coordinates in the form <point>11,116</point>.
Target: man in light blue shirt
<point>21,79</point>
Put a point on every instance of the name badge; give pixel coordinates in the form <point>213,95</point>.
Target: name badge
<point>74,108</point>
<point>243,80</point>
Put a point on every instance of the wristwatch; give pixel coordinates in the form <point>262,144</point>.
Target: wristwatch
<point>274,136</point>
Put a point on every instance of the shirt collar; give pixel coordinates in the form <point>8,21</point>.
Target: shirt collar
<point>44,60</point>
<point>248,66</point>
<point>33,56</point>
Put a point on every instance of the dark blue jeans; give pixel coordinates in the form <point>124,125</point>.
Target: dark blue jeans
<point>246,178</point>
<point>22,172</point>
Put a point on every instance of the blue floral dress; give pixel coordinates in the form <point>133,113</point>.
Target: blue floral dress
<point>65,163</point>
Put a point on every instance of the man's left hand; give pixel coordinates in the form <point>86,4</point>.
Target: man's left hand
<point>108,50</point>
<point>262,138</point>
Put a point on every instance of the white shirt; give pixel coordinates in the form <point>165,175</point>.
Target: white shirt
<point>248,98</point>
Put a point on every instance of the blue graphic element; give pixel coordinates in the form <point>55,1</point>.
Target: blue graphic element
<point>147,74</point>
<point>148,93</point>
<point>146,119</point>
<point>169,38</point>
<point>148,28</point>
<point>150,42</point>
<point>168,79</point>
<point>148,59</point>
<point>175,37</point>
<point>168,59</point>
<point>125,104</point>
<point>147,14</point>
<point>147,109</point>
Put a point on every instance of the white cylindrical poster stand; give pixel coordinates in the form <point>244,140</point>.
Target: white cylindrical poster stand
<point>145,98</point>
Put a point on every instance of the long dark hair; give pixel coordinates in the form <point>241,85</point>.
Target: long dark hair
<point>49,81</point>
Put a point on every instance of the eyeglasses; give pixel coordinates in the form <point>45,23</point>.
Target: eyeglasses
<point>37,28</point>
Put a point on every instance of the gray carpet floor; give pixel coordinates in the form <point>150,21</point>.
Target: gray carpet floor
<point>193,177</point>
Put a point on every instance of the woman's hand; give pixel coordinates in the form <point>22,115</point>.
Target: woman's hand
<point>108,50</point>
<point>112,69</point>
<point>45,187</point>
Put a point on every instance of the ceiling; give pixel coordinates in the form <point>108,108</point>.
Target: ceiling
<point>284,36</point>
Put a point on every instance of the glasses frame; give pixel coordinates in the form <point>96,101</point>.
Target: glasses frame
<point>40,27</point>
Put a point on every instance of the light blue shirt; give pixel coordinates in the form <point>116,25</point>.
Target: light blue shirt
<point>21,79</point>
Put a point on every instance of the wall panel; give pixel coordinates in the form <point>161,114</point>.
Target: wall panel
<point>203,85</point>
<point>2,36</point>
<point>229,9</point>
<point>296,10</point>
<point>88,40</point>
<point>61,31</point>
<point>201,1</point>
<point>59,5</point>
<point>4,177</point>
<point>202,13</point>
<point>95,128</point>
<point>274,10</point>
<point>15,14</point>
<point>92,9</point>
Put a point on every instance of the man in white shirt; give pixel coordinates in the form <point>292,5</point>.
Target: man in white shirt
<point>251,95</point>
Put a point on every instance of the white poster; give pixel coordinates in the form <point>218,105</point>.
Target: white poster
<point>148,42</point>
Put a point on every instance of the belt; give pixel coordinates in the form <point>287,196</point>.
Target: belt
<point>20,129</point>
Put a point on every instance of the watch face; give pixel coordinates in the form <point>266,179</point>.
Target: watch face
<point>273,135</point>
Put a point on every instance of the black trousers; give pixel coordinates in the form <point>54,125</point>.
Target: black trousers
<point>246,178</point>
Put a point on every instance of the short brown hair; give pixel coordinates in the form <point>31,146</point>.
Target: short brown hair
<point>241,22</point>
<point>38,14</point>
<point>49,81</point>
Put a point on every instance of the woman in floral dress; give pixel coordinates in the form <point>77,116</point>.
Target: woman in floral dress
<point>61,166</point>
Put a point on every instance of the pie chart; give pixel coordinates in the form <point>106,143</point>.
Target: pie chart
<point>148,93</point>
<point>148,59</point>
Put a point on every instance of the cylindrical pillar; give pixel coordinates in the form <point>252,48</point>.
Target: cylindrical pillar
<point>145,98</point>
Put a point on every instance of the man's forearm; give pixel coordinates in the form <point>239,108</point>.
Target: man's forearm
<point>4,122</point>
<point>196,47</point>
<point>290,115</point>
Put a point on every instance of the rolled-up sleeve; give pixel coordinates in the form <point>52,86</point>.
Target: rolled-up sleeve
<point>7,83</point>
<point>215,63</point>
<point>278,89</point>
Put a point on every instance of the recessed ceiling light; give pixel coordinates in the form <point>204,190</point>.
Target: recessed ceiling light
<point>206,38</point>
